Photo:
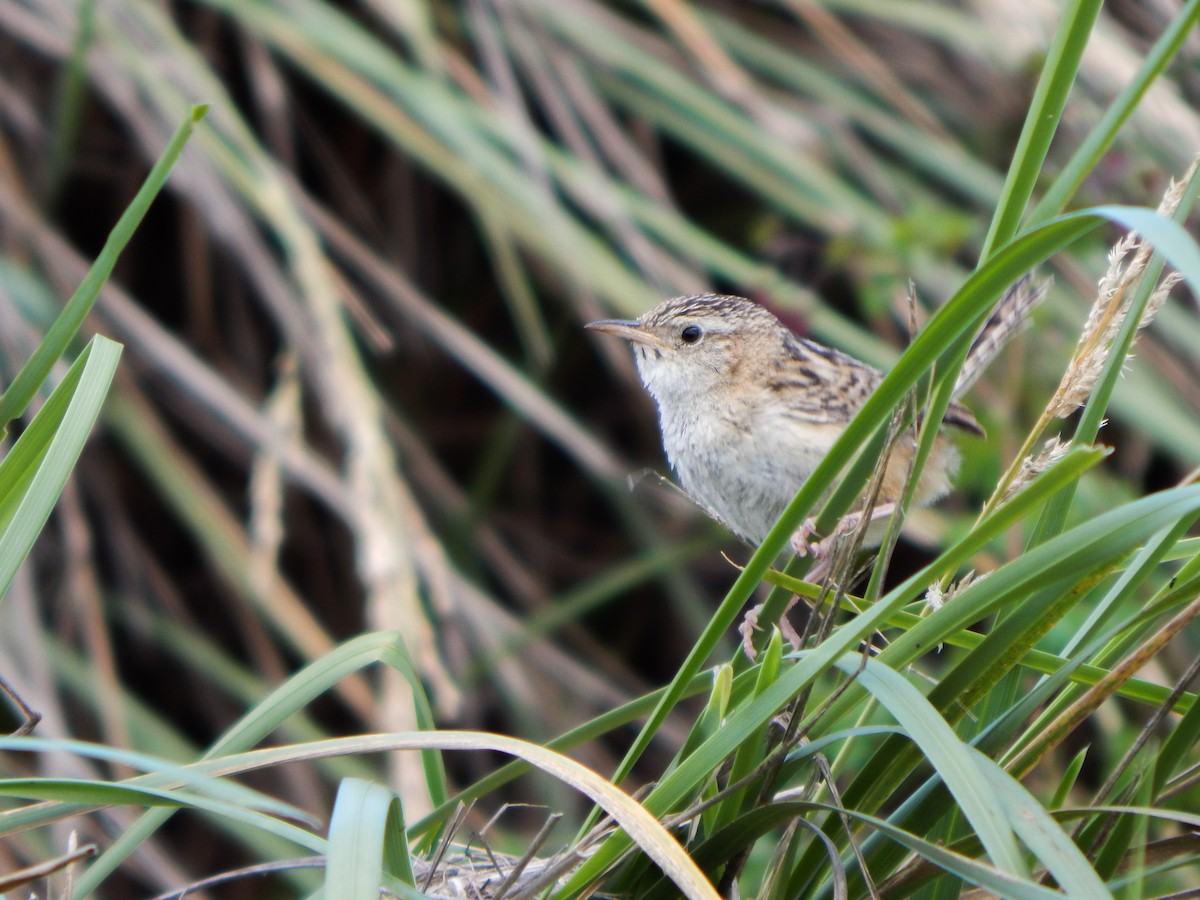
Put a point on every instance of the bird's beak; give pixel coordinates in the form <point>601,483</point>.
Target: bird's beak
<point>631,330</point>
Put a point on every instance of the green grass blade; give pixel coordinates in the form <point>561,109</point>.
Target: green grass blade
<point>159,774</point>
<point>1041,833</point>
<point>364,814</point>
<point>294,694</point>
<point>69,104</point>
<point>1089,153</point>
<point>32,375</point>
<point>34,472</point>
<point>1041,122</point>
<point>953,760</point>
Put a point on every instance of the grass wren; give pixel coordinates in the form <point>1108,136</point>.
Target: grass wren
<point>747,409</point>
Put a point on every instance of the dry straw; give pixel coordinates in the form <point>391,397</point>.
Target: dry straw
<point>1115,296</point>
<point>1113,300</point>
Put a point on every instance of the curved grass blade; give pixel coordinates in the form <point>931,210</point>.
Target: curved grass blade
<point>32,475</point>
<point>1041,833</point>
<point>293,695</point>
<point>954,761</point>
<point>75,791</point>
<point>636,822</point>
<point>157,773</point>
<point>366,841</point>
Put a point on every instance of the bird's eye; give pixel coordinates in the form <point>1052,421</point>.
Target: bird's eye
<point>691,334</point>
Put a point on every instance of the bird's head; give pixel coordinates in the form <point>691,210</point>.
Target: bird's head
<point>690,345</point>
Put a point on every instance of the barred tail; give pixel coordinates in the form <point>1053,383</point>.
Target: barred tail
<point>1008,319</point>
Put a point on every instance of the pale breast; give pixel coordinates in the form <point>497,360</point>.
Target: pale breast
<point>739,468</point>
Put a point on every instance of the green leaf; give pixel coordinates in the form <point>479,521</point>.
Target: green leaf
<point>1040,832</point>
<point>159,774</point>
<point>954,761</point>
<point>1091,150</point>
<point>34,472</point>
<point>364,833</point>
<point>1041,122</point>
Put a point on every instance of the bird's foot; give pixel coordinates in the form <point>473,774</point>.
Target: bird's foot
<point>750,625</point>
<point>805,542</point>
<point>821,549</point>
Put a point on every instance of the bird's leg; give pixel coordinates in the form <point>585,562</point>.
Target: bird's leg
<point>750,625</point>
<point>822,550</point>
<point>802,539</point>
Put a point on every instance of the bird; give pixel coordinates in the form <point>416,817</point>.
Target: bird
<point>747,409</point>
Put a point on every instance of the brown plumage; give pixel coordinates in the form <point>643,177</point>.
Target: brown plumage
<point>747,409</point>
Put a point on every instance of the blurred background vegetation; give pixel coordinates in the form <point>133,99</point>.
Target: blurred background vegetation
<point>356,394</point>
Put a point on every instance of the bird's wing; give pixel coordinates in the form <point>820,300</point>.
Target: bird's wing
<point>822,385</point>
<point>828,386</point>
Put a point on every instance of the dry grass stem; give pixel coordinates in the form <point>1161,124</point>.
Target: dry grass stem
<point>1031,466</point>
<point>1116,292</point>
<point>267,528</point>
<point>1114,297</point>
<point>937,596</point>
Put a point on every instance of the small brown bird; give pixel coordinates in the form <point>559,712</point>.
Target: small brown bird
<point>747,409</point>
